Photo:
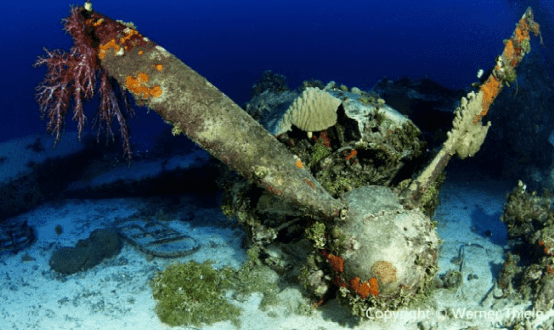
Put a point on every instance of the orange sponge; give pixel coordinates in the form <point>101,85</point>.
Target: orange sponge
<point>366,288</point>
<point>138,86</point>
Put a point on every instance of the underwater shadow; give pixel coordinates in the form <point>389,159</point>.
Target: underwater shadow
<point>334,312</point>
<point>489,226</point>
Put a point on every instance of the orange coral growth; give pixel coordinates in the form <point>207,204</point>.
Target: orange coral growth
<point>336,261</point>
<point>366,288</point>
<point>159,67</point>
<point>546,243</point>
<point>298,163</point>
<point>325,139</point>
<point>130,33</point>
<point>309,183</point>
<point>273,190</point>
<point>156,91</point>
<point>374,286</point>
<point>95,24</point>
<point>360,288</point>
<point>103,49</point>
<point>510,52</point>
<point>522,31</point>
<point>351,154</point>
<point>490,90</point>
<point>338,282</point>
<point>141,52</point>
<point>138,86</point>
<point>524,26</point>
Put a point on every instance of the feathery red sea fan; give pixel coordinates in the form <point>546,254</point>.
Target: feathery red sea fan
<point>71,79</point>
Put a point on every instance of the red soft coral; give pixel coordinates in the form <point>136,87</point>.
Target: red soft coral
<point>71,77</point>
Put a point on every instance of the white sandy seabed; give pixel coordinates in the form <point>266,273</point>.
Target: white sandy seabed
<point>116,293</point>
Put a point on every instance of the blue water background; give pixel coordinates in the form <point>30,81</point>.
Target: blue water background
<point>232,42</point>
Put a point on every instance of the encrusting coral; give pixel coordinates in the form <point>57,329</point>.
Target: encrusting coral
<point>138,85</point>
<point>468,132</point>
<point>529,218</point>
<point>384,262</point>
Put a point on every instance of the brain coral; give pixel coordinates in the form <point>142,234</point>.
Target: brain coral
<point>314,110</point>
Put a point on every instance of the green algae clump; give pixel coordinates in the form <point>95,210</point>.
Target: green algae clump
<point>194,294</point>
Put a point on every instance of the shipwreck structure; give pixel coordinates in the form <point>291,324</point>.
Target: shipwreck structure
<point>331,175</point>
